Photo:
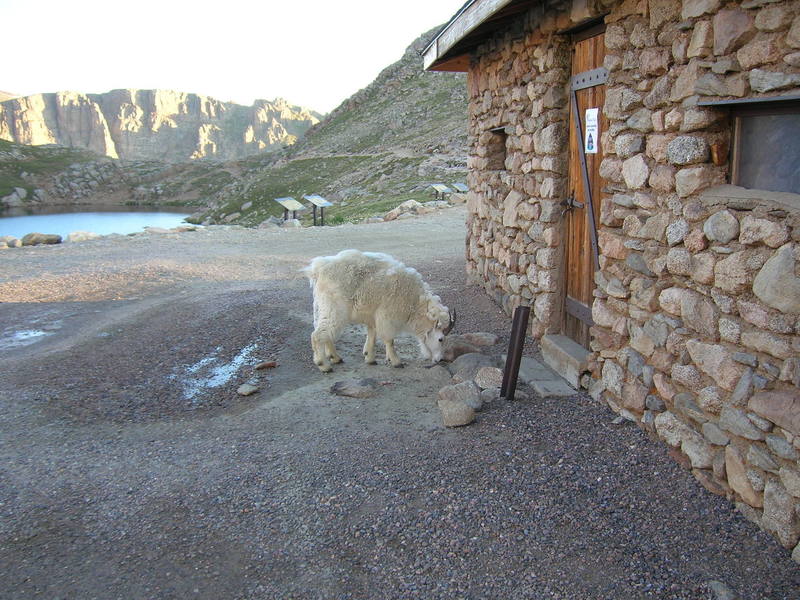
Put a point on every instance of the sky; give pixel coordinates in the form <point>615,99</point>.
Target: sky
<point>314,53</point>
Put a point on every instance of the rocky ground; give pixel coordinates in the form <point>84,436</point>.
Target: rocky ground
<point>132,468</point>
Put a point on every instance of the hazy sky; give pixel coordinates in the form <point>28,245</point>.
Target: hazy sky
<point>314,53</point>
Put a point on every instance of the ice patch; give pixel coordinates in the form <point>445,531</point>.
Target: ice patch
<point>209,372</point>
<point>22,338</point>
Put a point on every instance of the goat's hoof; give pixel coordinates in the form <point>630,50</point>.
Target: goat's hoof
<point>325,368</point>
<point>399,366</point>
<point>370,362</point>
<point>336,359</point>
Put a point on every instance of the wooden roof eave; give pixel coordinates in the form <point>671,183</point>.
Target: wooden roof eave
<point>472,25</point>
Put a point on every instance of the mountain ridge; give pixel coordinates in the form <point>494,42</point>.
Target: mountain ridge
<point>382,146</point>
<point>167,125</point>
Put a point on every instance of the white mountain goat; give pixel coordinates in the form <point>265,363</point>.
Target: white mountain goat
<point>380,292</point>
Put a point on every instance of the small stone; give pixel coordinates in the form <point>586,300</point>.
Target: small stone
<point>781,447</point>
<point>721,591</point>
<point>489,377</point>
<point>790,477</point>
<point>490,395</point>
<point>721,227</point>
<point>782,407</point>
<point>771,233</point>
<point>693,179</point>
<point>635,171</point>
<point>767,81</point>
<point>247,389</point>
<point>710,400</point>
<point>759,457</point>
<point>736,422</point>
<point>687,150</point>
<point>677,231</point>
<point>715,435</point>
<point>355,388</point>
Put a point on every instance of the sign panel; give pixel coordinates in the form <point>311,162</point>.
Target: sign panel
<point>592,136</point>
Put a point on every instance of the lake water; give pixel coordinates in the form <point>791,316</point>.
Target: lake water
<point>104,221</point>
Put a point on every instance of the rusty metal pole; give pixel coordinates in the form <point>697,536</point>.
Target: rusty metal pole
<point>516,343</point>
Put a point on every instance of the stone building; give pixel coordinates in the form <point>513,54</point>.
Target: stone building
<point>635,180</point>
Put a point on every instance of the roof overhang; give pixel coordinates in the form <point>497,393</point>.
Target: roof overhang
<point>469,27</point>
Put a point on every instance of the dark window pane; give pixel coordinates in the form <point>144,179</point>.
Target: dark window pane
<point>769,147</point>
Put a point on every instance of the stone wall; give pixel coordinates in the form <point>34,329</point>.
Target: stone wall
<point>697,307</point>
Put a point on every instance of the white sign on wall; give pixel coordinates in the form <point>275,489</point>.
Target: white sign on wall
<point>591,138</point>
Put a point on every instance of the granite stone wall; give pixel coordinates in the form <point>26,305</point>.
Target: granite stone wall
<point>697,306</point>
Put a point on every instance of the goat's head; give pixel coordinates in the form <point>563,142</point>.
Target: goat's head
<point>440,323</point>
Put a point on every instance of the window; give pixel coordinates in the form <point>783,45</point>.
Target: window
<point>766,152</point>
<point>496,149</point>
<point>765,143</point>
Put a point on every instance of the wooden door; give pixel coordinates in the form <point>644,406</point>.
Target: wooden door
<point>587,92</point>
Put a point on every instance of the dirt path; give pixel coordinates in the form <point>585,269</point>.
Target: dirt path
<point>132,469</point>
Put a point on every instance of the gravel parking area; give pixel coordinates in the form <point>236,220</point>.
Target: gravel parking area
<point>131,468</point>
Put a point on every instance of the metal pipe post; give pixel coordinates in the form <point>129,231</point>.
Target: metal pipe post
<point>516,343</point>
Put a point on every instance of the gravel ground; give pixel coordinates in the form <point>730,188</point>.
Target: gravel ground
<point>132,469</point>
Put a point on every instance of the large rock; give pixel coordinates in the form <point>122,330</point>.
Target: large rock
<point>82,236</point>
<point>782,407</point>
<point>732,29</point>
<point>457,345</point>
<point>779,516</point>
<point>455,413</point>
<point>716,362</point>
<point>466,366</point>
<point>736,469</point>
<point>465,392</point>
<point>776,284</point>
<point>35,239</point>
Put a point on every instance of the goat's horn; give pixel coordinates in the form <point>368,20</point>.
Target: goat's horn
<point>452,322</point>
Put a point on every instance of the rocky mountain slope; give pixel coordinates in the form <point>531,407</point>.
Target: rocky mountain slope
<point>153,124</point>
<point>384,145</point>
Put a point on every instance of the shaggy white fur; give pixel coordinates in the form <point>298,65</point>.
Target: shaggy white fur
<point>378,291</point>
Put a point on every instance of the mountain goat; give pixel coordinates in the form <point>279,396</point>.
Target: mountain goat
<point>375,290</point>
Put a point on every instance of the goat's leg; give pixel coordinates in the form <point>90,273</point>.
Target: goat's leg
<point>334,357</point>
<point>369,346</point>
<point>391,355</point>
<point>319,344</point>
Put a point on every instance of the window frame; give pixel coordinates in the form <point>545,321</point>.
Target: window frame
<point>751,107</point>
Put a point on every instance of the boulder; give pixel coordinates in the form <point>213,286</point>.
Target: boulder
<point>457,345</point>
<point>466,366</point>
<point>455,413</point>
<point>82,236</point>
<point>35,239</point>
<point>466,392</point>
<point>776,283</point>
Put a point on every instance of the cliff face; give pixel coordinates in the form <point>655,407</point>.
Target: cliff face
<point>153,124</point>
